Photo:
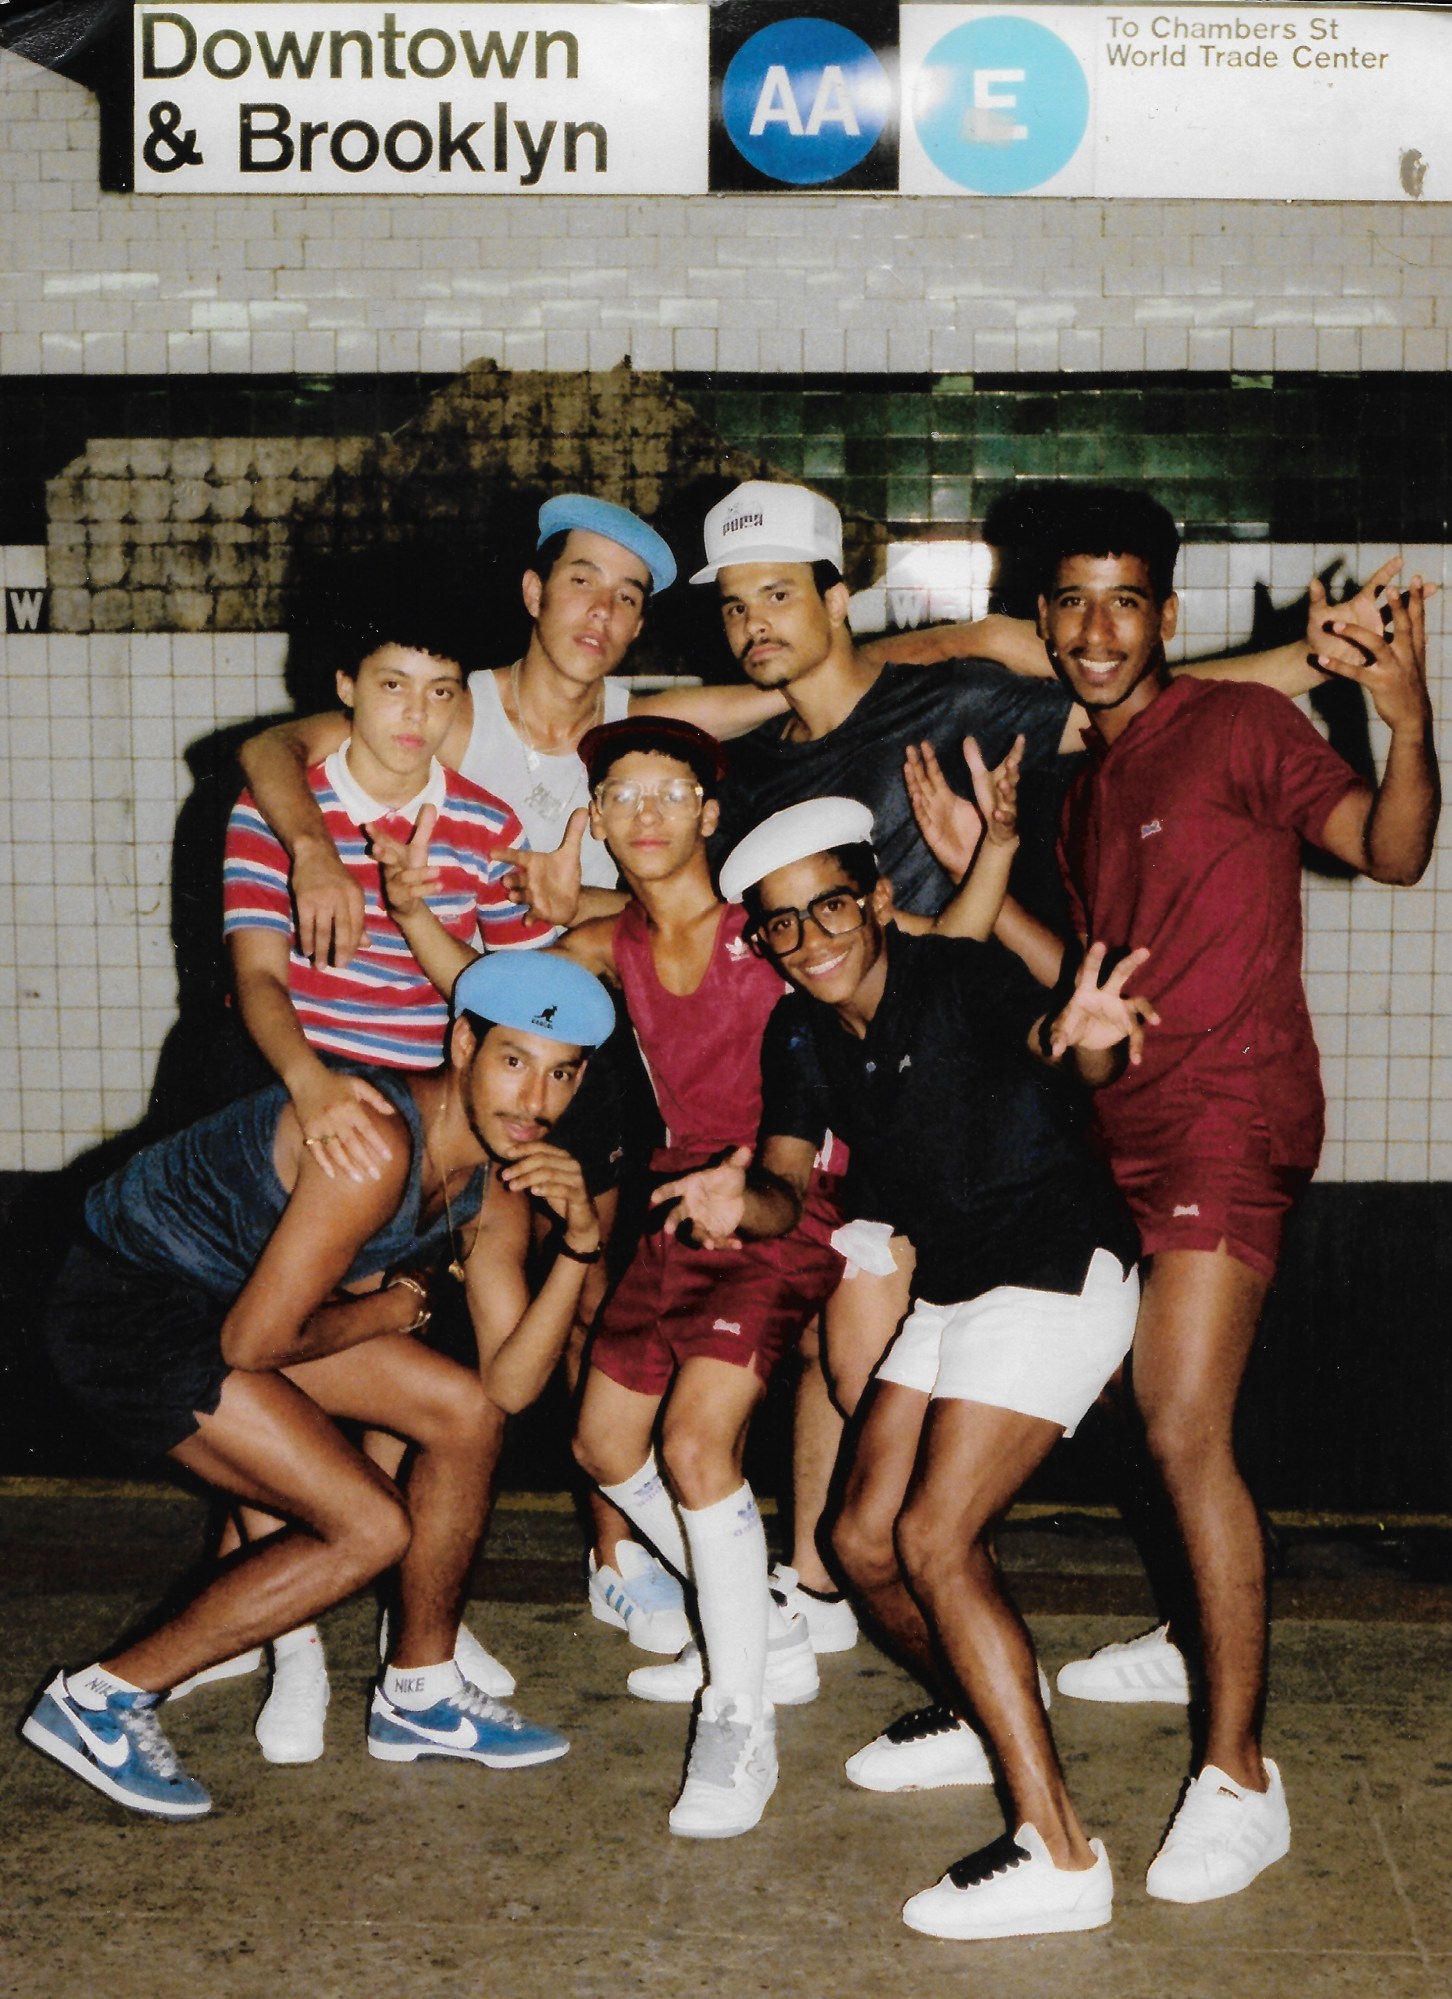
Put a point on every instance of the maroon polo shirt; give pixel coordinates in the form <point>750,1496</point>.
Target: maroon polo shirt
<point>1185,835</point>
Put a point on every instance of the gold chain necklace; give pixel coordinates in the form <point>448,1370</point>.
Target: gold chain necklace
<point>456,1267</point>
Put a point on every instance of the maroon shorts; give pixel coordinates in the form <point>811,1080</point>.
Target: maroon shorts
<point>745,1306</point>
<point>1194,1202</point>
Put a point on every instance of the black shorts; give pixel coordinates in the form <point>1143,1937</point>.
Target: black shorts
<point>140,1350</point>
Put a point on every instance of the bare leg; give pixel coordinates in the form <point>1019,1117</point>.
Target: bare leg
<point>972,1460</point>
<point>816,1439</point>
<point>266,1442</point>
<point>703,1441</point>
<point>1196,1328</point>
<point>614,1429</point>
<point>458,1432</point>
<point>863,1534</point>
<point>861,1317</point>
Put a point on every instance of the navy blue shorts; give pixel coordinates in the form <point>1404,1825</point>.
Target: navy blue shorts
<point>140,1350</point>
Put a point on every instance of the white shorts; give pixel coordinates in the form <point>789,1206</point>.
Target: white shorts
<point>1041,1353</point>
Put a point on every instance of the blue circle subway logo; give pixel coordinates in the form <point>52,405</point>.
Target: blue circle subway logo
<point>804,101</point>
<point>1001,105</point>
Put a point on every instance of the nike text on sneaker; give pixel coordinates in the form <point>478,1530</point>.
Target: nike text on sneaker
<point>480,1668</point>
<point>923,1751</point>
<point>730,1774</point>
<point>290,1727</point>
<point>830,1620</point>
<point>1148,1668</point>
<point>119,1748</point>
<point>1221,1837</point>
<point>225,1669</point>
<point>640,1597</point>
<point>1013,1889</point>
<point>791,1671</point>
<point>468,1724</point>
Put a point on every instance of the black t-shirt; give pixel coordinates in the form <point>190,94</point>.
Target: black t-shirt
<point>862,758</point>
<point>959,1137</point>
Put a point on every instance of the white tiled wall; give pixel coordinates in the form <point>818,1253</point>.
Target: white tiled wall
<point>93,776</point>
<point>104,284</point>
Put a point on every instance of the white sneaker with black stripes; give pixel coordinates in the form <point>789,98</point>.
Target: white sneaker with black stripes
<point>1013,1889</point>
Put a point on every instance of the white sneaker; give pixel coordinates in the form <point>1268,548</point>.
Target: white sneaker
<point>1221,1837</point>
<point>225,1669</point>
<point>791,1671</point>
<point>1148,1668</point>
<point>731,1771</point>
<point>923,1751</point>
<point>1013,1889</point>
<point>290,1726</point>
<point>829,1619</point>
<point>480,1668</point>
<point>641,1597</point>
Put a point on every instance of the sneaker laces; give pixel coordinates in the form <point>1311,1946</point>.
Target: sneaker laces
<point>1000,1856</point>
<point>473,1701</point>
<point>1206,1818</point>
<point>296,1680</point>
<point>921,1723</point>
<point>150,1743</point>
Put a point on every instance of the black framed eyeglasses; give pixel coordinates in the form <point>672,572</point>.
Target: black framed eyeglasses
<point>836,913</point>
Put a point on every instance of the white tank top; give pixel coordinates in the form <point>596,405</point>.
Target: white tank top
<point>543,790</point>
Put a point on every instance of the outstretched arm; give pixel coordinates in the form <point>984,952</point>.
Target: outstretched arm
<point>742,1197</point>
<point>721,711</point>
<point>1098,1027</point>
<point>1387,833</point>
<point>1013,642</point>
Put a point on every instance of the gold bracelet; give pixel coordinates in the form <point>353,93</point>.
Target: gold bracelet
<point>404,1278</point>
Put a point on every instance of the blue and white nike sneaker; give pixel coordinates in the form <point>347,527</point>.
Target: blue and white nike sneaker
<point>469,1723</point>
<point>119,1748</point>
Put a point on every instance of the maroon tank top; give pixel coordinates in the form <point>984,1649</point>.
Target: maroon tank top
<point>702,1050</point>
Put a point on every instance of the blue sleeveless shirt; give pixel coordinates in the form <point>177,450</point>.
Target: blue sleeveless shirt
<point>203,1203</point>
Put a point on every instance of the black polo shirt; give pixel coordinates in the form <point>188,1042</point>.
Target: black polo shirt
<point>862,758</point>
<point>959,1136</point>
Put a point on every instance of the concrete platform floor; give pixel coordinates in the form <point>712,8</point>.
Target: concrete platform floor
<point>436,1881</point>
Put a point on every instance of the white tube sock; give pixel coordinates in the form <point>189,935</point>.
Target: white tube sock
<point>647,1505</point>
<point>728,1561</point>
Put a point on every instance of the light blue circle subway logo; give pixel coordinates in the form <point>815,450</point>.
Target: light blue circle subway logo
<point>1001,105</point>
<point>804,101</point>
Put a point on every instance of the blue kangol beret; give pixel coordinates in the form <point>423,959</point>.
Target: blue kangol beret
<point>583,510</point>
<point>538,992</point>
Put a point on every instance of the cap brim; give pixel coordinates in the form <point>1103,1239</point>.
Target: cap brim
<point>774,552</point>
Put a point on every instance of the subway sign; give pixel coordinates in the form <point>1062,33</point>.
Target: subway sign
<point>1253,102</point>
